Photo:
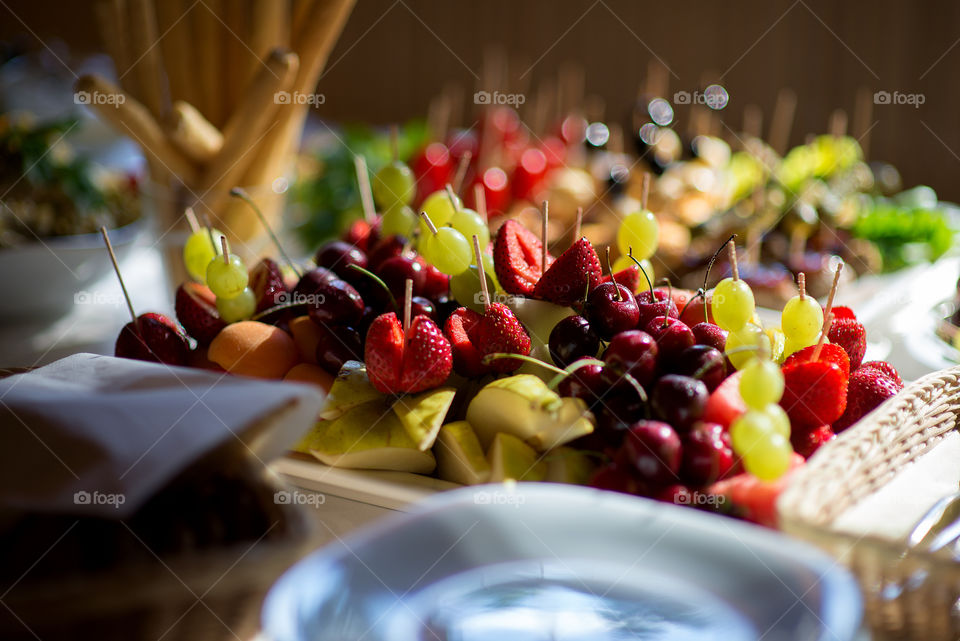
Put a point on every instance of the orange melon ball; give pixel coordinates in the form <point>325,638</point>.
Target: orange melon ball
<point>307,373</point>
<point>251,348</point>
<point>306,334</point>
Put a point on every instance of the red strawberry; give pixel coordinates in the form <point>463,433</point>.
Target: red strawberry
<point>427,358</point>
<point>842,312</point>
<point>516,258</point>
<point>629,278</point>
<point>414,363</point>
<point>852,337</point>
<point>500,331</point>
<point>887,369</point>
<point>196,309</point>
<point>868,388</point>
<point>814,393</point>
<point>571,276</point>
<point>806,442</point>
<point>460,329</point>
<point>829,352</point>
<point>266,281</point>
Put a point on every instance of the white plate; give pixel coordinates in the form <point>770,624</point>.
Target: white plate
<point>561,562</point>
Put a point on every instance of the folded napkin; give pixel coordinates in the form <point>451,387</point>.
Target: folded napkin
<point>97,435</point>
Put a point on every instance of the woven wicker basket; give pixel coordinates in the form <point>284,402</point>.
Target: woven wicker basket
<point>907,594</point>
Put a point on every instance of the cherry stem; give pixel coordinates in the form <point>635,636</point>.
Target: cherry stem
<point>732,253</point>
<point>704,369</point>
<point>545,209</point>
<point>366,194</point>
<point>454,202</point>
<point>191,219</point>
<point>462,171</point>
<point>642,271</point>
<point>706,276</point>
<point>823,337</point>
<point>700,294</point>
<point>496,356</point>
<point>576,230</point>
<point>226,252</point>
<point>645,190</point>
<point>802,285</point>
<point>395,142</point>
<point>613,279</point>
<point>480,198</point>
<point>666,314</point>
<point>379,281</point>
<point>478,256</point>
<point>407,304</point>
<point>570,369</point>
<point>430,225</point>
<point>116,268</point>
<point>241,193</point>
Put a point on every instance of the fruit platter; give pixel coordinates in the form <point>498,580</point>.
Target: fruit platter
<point>466,348</point>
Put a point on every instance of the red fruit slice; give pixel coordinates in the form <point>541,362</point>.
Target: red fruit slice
<point>629,278</point>
<point>852,337</point>
<point>266,281</point>
<point>196,309</point>
<point>753,499</point>
<point>571,276</point>
<point>516,258</point>
<point>830,352</point>
<point>460,329</point>
<point>427,358</point>
<point>383,353</point>
<point>814,393</point>
<point>499,331</point>
<point>725,403</point>
<point>694,312</point>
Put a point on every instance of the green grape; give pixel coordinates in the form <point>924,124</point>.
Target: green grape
<point>491,272</point>
<point>439,208</point>
<point>465,288</point>
<point>777,344</point>
<point>769,459</point>
<point>732,304</point>
<point>761,383</point>
<point>398,220</point>
<point>748,429</point>
<point>469,223</point>
<point>198,251</point>
<point>749,335</point>
<point>393,185</point>
<point>448,251</point>
<point>624,262</point>
<point>227,279</point>
<point>238,308</point>
<point>781,422</point>
<point>641,231</point>
<point>790,346</point>
<point>802,319</point>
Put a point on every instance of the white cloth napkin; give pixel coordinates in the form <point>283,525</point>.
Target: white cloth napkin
<point>97,435</point>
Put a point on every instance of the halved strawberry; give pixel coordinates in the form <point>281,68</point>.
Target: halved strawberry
<point>869,387</point>
<point>500,331</point>
<point>266,281</point>
<point>814,393</point>
<point>196,309</point>
<point>460,329</point>
<point>516,258</point>
<point>629,278</point>
<point>571,276</point>
<point>829,352</point>
<point>852,337</point>
<point>414,363</point>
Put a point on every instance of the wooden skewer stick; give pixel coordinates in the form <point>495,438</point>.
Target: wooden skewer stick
<point>645,193</point>
<point>480,197</point>
<point>823,338</point>
<point>478,256</point>
<point>452,196</point>
<point>191,219</point>
<point>827,314</point>
<point>838,123</point>
<point>407,305</point>
<point>833,291</point>
<point>430,225</point>
<point>802,285</point>
<point>545,210</point>
<point>579,224</point>
<point>462,171</point>
<point>366,194</point>
<point>226,250</point>
<point>116,268</point>
<point>241,193</point>
<point>732,253</point>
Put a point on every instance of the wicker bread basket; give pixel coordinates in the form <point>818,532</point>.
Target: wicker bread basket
<point>907,594</point>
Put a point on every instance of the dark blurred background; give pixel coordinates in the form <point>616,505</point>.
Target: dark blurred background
<point>395,55</point>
